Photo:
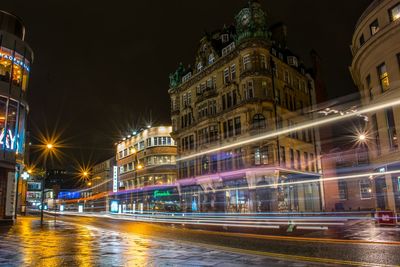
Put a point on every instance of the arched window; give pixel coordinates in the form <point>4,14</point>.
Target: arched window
<point>259,121</point>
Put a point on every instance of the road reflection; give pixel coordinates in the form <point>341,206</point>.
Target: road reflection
<point>64,244</point>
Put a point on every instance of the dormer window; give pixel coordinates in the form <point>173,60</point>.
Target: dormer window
<point>199,66</point>
<point>225,38</point>
<point>292,61</point>
<point>211,58</point>
<point>186,77</point>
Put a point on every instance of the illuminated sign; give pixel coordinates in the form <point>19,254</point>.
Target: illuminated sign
<point>80,208</point>
<point>115,179</point>
<point>8,140</point>
<point>16,61</point>
<point>383,169</point>
<point>25,175</point>
<point>398,183</point>
<point>159,193</point>
<point>114,204</point>
<point>61,207</point>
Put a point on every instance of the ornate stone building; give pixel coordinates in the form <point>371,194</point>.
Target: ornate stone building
<point>376,72</point>
<point>244,86</point>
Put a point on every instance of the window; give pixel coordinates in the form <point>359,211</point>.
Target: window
<point>224,38</point>
<point>362,40</point>
<point>246,62</point>
<point>375,130</point>
<point>186,77</point>
<point>292,61</point>
<point>213,131</point>
<point>398,59</point>
<point>226,50</point>
<point>282,154</point>
<point>259,121</point>
<point>383,77</point>
<point>365,189</point>
<point>286,76</point>
<point>312,162</point>
<point>392,134</point>
<point>306,161</point>
<point>239,158</point>
<point>342,188</point>
<point>199,66</point>
<point>214,163</point>
<point>148,142</point>
<point>211,58</point>
<point>233,72</point>
<point>230,128</point>
<point>291,158</point>
<point>226,76</point>
<point>249,90</point>
<point>374,27</point>
<point>263,61</point>
<point>368,84</point>
<point>298,159</point>
<point>238,126</point>
<point>394,12</point>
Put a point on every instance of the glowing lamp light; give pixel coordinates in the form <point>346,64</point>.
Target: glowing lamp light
<point>362,137</point>
<point>134,133</point>
<point>149,126</point>
<point>49,146</point>
<point>139,167</point>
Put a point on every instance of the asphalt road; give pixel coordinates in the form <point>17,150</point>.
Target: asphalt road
<point>88,241</point>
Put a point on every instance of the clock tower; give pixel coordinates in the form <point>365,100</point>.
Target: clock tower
<point>251,22</point>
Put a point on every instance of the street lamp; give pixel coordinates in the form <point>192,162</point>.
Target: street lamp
<point>48,149</point>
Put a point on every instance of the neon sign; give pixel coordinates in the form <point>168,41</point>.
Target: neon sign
<point>10,139</point>
<point>115,179</point>
<point>159,193</point>
<point>16,61</point>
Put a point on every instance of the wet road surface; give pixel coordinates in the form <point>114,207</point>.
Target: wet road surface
<point>79,241</point>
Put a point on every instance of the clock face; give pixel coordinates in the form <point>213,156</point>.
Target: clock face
<point>245,19</point>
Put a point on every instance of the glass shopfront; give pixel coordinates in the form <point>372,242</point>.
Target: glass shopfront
<point>18,72</point>
<point>12,125</point>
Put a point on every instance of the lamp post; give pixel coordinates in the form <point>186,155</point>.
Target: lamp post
<point>48,149</point>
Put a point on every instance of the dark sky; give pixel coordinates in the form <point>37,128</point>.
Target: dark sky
<point>101,67</point>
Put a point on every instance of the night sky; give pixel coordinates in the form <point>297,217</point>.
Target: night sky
<point>101,68</point>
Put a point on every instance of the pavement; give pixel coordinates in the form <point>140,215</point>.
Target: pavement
<point>96,242</point>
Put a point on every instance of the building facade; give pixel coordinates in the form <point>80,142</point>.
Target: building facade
<point>351,193</point>
<point>146,162</point>
<point>101,184</point>
<point>375,70</point>
<point>15,60</point>
<point>245,85</point>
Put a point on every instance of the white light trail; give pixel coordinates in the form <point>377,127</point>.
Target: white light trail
<point>298,127</point>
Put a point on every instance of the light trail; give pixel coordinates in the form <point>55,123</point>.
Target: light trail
<point>298,127</point>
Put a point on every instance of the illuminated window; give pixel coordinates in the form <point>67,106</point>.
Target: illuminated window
<point>365,189</point>
<point>383,77</point>
<point>374,27</point>
<point>20,68</point>
<point>394,12</point>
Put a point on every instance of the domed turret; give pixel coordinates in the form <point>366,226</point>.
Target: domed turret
<point>251,22</point>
